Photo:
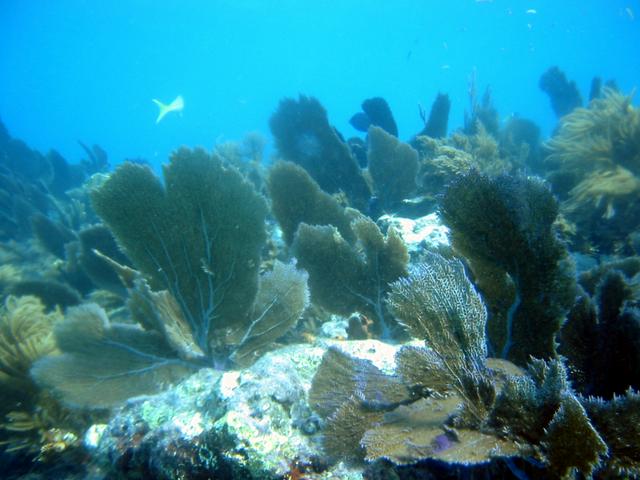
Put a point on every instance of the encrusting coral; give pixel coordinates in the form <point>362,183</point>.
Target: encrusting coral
<point>197,297</point>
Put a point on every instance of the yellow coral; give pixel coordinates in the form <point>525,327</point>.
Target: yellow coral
<point>9,274</point>
<point>31,420</point>
<point>26,334</point>
<point>594,163</point>
<point>597,136</point>
<point>44,431</point>
<point>603,186</point>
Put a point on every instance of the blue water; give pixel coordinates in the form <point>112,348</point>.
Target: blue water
<point>87,70</point>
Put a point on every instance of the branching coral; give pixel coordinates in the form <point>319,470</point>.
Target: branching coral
<point>601,337</point>
<point>618,421</point>
<point>439,304</point>
<point>443,160</point>
<point>595,167</point>
<point>563,94</point>
<point>503,413</point>
<point>26,334</point>
<point>542,409</point>
<point>30,421</point>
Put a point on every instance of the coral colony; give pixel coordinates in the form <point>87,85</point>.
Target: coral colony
<point>236,319</point>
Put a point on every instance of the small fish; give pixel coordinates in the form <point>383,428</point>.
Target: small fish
<point>176,106</point>
<point>531,11</point>
<point>629,11</point>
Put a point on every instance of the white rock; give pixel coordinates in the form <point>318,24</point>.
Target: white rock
<point>420,233</point>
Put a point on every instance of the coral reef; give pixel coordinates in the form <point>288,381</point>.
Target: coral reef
<point>503,416</point>
<point>32,423</point>
<point>393,167</point>
<point>252,423</point>
<point>601,337</point>
<point>51,292</point>
<point>296,198</point>
<point>594,166</point>
<point>103,363</point>
<point>247,156</point>
<point>421,235</point>
<point>436,125</point>
<point>566,456</point>
<point>98,238</point>
<point>198,242</point>
<point>375,112</point>
<point>303,135</point>
<point>52,235</point>
<point>26,334</point>
<point>32,183</point>
<point>180,316</point>
<point>443,160</point>
<point>563,94</point>
<point>199,237</point>
<point>282,298</point>
<point>520,142</point>
<point>346,277</point>
<point>482,115</point>
<point>618,421</point>
<point>504,227</point>
<point>438,304</point>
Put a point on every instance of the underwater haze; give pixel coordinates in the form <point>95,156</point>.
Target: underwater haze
<point>87,70</point>
<point>314,240</point>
